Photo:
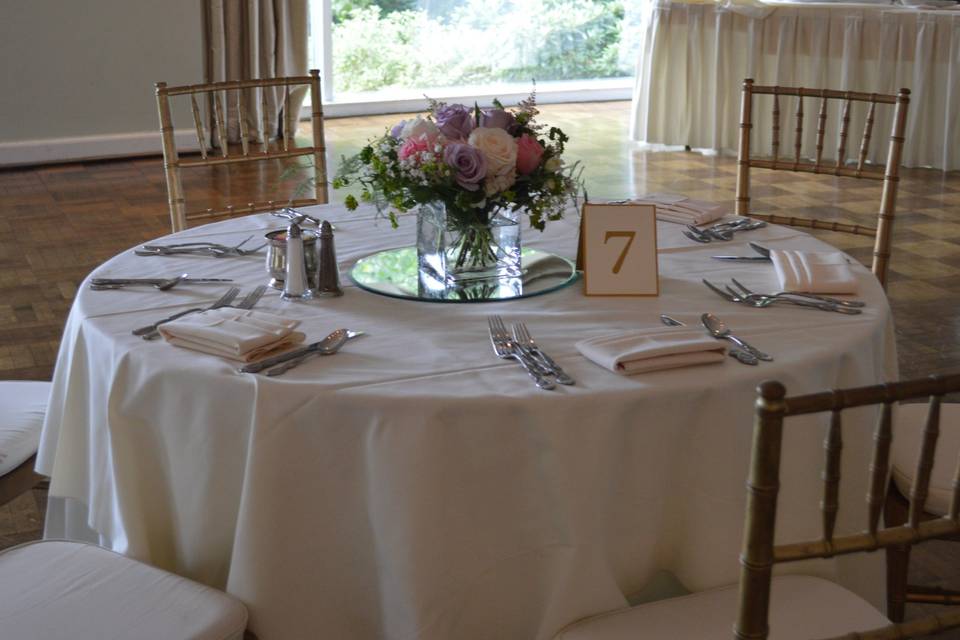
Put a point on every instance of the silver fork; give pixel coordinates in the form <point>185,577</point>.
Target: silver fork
<point>507,349</point>
<point>149,332</point>
<point>527,344</point>
<point>856,304</point>
<point>762,300</point>
<point>252,298</point>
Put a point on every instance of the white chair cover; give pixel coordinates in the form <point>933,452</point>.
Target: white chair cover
<point>58,590</point>
<point>801,607</point>
<point>22,407</point>
<point>908,434</point>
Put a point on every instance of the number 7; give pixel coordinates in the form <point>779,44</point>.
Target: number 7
<point>630,235</point>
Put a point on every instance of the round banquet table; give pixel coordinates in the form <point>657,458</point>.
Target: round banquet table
<point>415,486</point>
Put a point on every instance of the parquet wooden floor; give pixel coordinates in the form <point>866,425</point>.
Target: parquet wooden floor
<point>57,223</point>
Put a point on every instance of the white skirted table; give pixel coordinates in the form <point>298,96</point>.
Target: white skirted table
<point>415,486</point>
<point>694,57</point>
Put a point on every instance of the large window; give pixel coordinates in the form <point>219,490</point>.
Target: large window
<point>398,50</point>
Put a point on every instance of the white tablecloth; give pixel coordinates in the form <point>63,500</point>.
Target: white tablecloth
<point>414,486</point>
<point>694,58</point>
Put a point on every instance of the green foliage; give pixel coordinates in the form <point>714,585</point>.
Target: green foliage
<point>342,9</point>
<point>389,43</point>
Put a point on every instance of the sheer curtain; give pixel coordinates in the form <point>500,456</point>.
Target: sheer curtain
<point>694,57</point>
<point>248,39</point>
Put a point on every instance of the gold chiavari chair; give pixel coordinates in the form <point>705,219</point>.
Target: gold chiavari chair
<point>889,174</point>
<point>804,607</point>
<point>284,149</point>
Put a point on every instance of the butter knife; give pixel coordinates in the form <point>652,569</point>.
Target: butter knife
<point>742,258</point>
<point>327,345</point>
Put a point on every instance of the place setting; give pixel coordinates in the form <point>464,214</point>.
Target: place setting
<point>805,278</point>
<point>200,248</point>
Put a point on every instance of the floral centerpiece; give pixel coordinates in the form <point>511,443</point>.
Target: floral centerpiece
<point>472,174</point>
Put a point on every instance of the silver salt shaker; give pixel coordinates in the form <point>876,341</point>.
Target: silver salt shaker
<point>295,285</point>
<point>328,274</point>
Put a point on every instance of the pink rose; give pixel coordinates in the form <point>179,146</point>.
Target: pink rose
<point>414,146</point>
<point>529,153</point>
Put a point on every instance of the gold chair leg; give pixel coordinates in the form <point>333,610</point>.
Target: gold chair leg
<point>898,558</point>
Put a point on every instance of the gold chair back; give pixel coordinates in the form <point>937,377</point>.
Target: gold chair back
<point>284,149</point>
<point>889,174</point>
<point>759,552</point>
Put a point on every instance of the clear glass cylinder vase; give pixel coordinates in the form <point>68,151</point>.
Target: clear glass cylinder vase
<point>453,249</point>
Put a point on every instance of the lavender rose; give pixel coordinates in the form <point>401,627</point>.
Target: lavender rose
<point>497,119</point>
<point>397,129</point>
<point>455,121</point>
<point>469,163</point>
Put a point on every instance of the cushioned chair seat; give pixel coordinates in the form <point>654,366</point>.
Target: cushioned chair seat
<point>67,590</point>
<point>22,407</point>
<point>907,437</point>
<point>801,607</point>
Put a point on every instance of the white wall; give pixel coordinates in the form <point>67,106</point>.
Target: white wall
<point>77,75</point>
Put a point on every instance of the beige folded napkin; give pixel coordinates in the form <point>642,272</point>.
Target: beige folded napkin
<point>681,209</point>
<point>644,350</point>
<point>238,334</point>
<point>813,272</point>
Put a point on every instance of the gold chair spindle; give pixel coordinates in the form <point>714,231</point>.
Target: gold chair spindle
<point>833,446</point>
<point>198,123</point>
<point>265,120</point>
<point>799,139</point>
<point>844,126</point>
<point>221,128</point>
<point>821,127</point>
<point>242,121</point>
<point>865,140</point>
<point>880,466</point>
<point>319,148</point>
<point>286,118</point>
<point>743,150</point>
<point>954,512</point>
<point>921,482</point>
<point>776,126</point>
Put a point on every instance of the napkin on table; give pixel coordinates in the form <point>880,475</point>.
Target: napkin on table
<point>682,210</point>
<point>809,272</point>
<point>645,350</point>
<point>238,334</point>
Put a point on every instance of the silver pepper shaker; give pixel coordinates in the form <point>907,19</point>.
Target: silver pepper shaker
<point>328,274</point>
<point>295,279</point>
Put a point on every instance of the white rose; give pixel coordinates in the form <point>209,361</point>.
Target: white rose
<point>499,182</point>
<point>498,148</point>
<point>553,164</point>
<point>418,127</point>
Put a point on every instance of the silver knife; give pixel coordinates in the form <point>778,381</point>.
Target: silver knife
<point>121,281</point>
<point>320,345</point>
<point>742,258</point>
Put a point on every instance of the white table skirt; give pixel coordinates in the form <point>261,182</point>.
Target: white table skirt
<point>694,57</point>
<point>414,486</point>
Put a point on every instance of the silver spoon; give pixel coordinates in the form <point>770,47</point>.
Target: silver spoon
<point>326,347</point>
<point>738,354</point>
<point>719,330</point>
<point>166,285</point>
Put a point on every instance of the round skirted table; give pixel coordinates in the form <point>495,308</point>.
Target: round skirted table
<point>415,485</point>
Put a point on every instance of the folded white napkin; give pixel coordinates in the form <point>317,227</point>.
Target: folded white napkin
<point>682,210</point>
<point>238,334</point>
<point>813,272</point>
<point>652,349</point>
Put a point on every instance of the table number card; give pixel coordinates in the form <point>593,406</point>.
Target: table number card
<point>619,247</point>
